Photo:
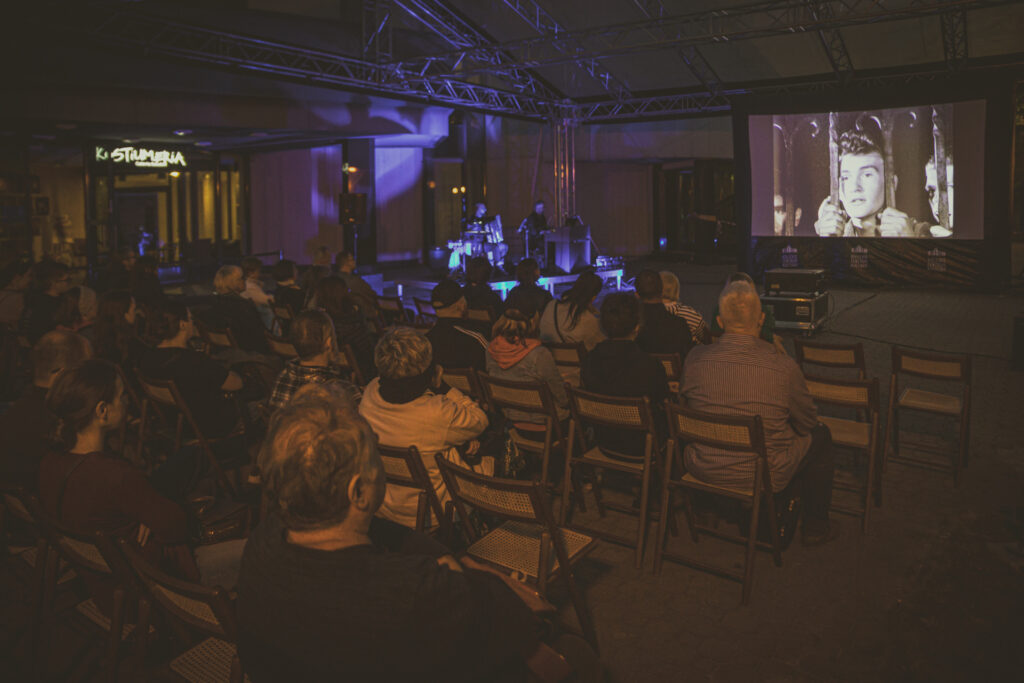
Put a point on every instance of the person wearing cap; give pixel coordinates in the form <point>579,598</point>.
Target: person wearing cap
<point>456,344</point>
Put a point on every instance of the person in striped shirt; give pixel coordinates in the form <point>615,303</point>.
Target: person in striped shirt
<point>695,321</point>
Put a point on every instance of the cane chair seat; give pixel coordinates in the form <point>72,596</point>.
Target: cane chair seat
<point>207,662</point>
<point>91,611</point>
<point>516,547</point>
<point>596,456</point>
<point>930,401</point>
<point>728,490</point>
<point>194,608</point>
<point>848,432</point>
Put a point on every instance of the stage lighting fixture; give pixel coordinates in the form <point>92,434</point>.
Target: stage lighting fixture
<point>455,190</point>
<point>182,132</point>
<point>175,174</point>
<point>462,189</point>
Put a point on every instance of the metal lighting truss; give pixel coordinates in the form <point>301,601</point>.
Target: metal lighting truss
<point>691,55</point>
<point>832,41</point>
<point>757,20</point>
<point>954,38</point>
<point>453,29</point>
<point>547,26</point>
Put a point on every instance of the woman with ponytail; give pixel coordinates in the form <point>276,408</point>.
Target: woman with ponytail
<point>516,353</point>
<point>87,489</point>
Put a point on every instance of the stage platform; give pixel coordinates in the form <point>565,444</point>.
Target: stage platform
<point>503,287</point>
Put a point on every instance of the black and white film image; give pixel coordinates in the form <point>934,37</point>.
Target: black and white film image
<point>881,173</point>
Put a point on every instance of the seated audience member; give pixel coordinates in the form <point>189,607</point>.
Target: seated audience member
<point>320,269</point>
<point>312,335</point>
<point>52,280</point>
<point>288,293</point>
<point>515,353</point>
<point>670,296</point>
<point>117,274</point>
<point>321,597</point>
<point>201,380</point>
<point>14,281</point>
<point>572,318</point>
<point>409,405</point>
<point>660,331</point>
<point>230,310</point>
<point>77,311</point>
<point>456,342</point>
<point>114,337</point>
<point>527,273</point>
<point>767,328</point>
<point>743,375</point>
<point>617,367</point>
<point>252,268</point>
<point>479,295</point>
<point>146,287</point>
<point>358,288</point>
<point>332,296</point>
<point>88,489</point>
<point>28,424</point>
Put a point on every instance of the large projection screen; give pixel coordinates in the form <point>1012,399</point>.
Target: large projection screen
<point>870,173</point>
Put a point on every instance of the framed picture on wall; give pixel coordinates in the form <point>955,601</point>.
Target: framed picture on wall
<point>41,206</point>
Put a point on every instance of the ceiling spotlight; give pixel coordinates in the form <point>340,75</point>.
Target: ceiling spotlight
<point>455,190</point>
<point>182,132</point>
<point>462,189</point>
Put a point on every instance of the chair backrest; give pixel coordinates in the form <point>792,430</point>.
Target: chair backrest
<point>282,347</point>
<point>404,467</point>
<point>207,610</point>
<point>621,412</point>
<point>159,391</point>
<point>569,354</point>
<point>830,355</point>
<point>728,432</point>
<point>851,393</point>
<point>528,397</point>
<point>425,310</point>
<point>463,379</point>
<point>673,369</point>
<point>942,366</point>
<point>482,314</point>
<point>220,338</point>
<point>505,498</point>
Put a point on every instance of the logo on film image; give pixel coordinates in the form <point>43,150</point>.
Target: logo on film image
<point>141,157</point>
<point>859,258</point>
<point>790,257</point>
<point>937,260</point>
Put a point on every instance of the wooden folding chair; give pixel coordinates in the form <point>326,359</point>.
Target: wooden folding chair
<point>425,313</point>
<point>196,609</point>
<point>861,395</point>
<point>622,414</point>
<point>529,541</point>
<point>741,435</point>
<point>952,368</point>
<point>673,370</point>
<point>843,356</point>
<point>390,311</point>
<point>465,380</point>
<point>527,397</point>
<point>568,359</point>
<point>283,316</point>
<point>216,339</point>
<point>281,346</point>
<point>94,554</point>
<point>162,395</point>
<point>405,467</point>
<point>346,359</point>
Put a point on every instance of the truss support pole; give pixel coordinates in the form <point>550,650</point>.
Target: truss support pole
<point>564,137</point>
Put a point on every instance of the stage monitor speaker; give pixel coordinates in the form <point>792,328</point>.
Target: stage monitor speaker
<point>352,207</point>
<point>803,281</point>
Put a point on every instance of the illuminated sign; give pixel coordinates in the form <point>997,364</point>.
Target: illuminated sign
<point>141,157</point>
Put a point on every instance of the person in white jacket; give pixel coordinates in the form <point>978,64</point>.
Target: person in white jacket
<point>409,405</point>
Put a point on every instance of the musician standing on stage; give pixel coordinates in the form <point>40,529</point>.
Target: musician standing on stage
<point>533,228</point>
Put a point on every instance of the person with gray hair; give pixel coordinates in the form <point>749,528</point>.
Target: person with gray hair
<point>742,374</point>
<point>324,595</point>
<point>231,311</point>
<point>410,405</point>
<point>670,297</point>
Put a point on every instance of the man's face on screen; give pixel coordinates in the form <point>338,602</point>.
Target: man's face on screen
<point>862,184</point>
<point>931,186</point>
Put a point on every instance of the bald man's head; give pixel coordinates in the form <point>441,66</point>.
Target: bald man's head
<point>739,309</point>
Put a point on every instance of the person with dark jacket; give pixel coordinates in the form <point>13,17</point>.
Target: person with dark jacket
<point>358,288</point>
<point>28,423</point>
<point>618,367</point>
<point>457,343</point>
<point>230,310</point>
<point>146,287</point>
<point>478,293</point>
<point>527,273</point>
<point>52,280</point>
<point>288,293</point>
<point>332,296</point>
<point>660,331</point>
